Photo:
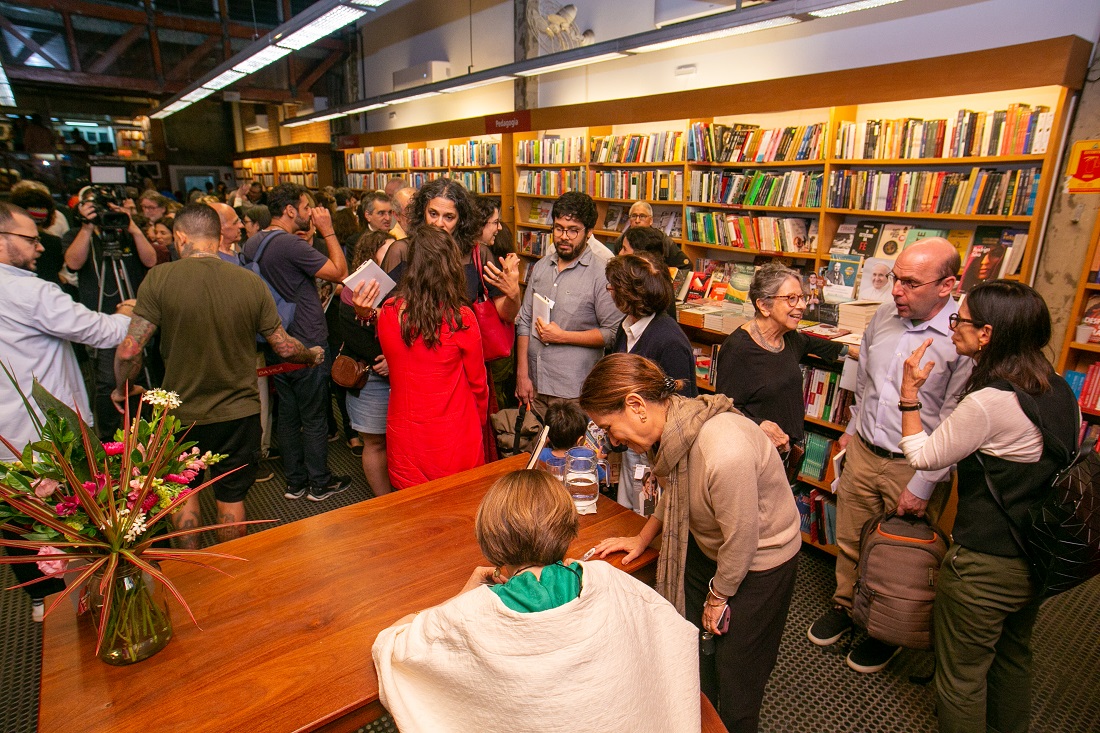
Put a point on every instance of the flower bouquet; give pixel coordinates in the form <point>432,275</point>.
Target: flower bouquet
<point>102,513</point>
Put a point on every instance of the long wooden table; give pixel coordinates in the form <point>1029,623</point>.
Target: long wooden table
<point>285,643</point>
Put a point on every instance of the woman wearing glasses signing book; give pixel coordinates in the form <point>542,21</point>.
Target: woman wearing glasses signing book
<point>758,364</point>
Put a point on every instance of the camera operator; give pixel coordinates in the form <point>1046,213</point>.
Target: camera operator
<point>107,242</point>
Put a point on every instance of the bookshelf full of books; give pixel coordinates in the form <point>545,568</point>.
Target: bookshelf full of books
<point>472,161</point>
<point>307,164</point>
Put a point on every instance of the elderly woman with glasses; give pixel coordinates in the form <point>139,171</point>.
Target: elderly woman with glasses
<point>758,365</point>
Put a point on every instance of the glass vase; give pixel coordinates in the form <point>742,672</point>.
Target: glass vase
<point>138,625</point>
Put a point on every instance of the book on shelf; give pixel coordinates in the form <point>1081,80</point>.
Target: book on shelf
<point>792,188</point>
<point>917,234</point>
<point>550,150</point>
<point>650,185</point>
<point>1090,389</point>
<point>983,261</point>
<point>657,147</point>
<point>874,283</point>
<point>1076,381</point>
<point>669,221</point>
<point>891,241</point>
<point>739,276</point>
<point>697,286</point>
<point>1015,243</point>
<point>962,239</point>
<point>982,192</point>
<point>535,244</point>
<point>840,277</point>
<point>843,239</point>
<point>613,220</point>
<point>539,213</point>
<point>865,240</point>
<point>550,182</point>
<point>823,396</point>
<point>1090,316</point>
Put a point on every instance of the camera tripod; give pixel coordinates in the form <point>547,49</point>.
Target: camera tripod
<point>112,258</point>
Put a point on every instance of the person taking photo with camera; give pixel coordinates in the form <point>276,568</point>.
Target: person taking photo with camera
<point>111,255</point>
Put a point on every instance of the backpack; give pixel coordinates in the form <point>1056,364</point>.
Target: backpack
<point>1061,538</point>
<point>899,562</point>
<point>284,307</point>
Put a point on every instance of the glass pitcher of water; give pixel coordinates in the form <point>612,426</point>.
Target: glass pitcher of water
<point>582,475</point>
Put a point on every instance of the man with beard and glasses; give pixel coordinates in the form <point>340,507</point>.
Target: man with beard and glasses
<point>553,357</point>
<point>290,265</point>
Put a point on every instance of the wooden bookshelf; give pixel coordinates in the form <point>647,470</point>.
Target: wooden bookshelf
<point>307,164</point>
<point>1076,355</point>
<point>473,161</point>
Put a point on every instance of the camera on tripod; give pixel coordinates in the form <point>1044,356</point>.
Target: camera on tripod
<point>107,190</point>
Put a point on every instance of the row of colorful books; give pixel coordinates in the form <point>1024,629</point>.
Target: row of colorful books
<point>535,244</point>
<point>475,153</point>
<point>817,515</point>
<point>550,182</point>
<point>550,150</point>
<point>982,192</point>
<point>1018,130</point>
<point>717,143</point>
<point>823,396</point>
<point>706,362</point>
<point>656,147</point>
<point>480,182</point>
<point>635,184</point>
<point>761,233</point>
<point>1086,385</point>
<point>757,188</point>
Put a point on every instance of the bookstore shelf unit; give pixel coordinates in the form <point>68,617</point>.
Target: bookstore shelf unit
<point>1078,356</point>
<point>473,161</point>
<point>307,164</point>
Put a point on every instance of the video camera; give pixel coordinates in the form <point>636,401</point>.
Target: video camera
<point>111,223</point>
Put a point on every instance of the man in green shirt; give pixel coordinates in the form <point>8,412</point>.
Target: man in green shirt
<point>209,312</point>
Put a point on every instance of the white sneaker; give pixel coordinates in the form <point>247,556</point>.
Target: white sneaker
<point>38,610</point>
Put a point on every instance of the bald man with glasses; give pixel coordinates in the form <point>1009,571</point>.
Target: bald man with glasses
<point>876,476</point>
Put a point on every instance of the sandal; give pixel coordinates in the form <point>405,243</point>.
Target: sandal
<point>356,446</point>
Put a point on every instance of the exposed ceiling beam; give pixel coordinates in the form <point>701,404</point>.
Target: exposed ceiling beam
<point>116,49</point>
<point>154,40</point>
<point>131,84</point>
<point>173,22</point>
<point>70,42</point>
<point>306,82</point>
<point>180,70</point>
<point>29,42</point>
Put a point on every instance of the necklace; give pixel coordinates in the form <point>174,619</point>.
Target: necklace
<point>759,336</point>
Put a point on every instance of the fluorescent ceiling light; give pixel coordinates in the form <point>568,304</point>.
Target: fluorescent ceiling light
<point>713,35</point>
<point>571,64</point>
<point>368,107</point>
<point>159,115</point>
<point>330,22</point>
<point>177,106</point>
<point>414,97</point>
<point>81,123</point>
<point>311,120</point>
<point>851,8</point>
<point>370,3</point>
<point>260,59</point>
<point>476,84</point>
<point>223,79</point>
<point>196,95</point>
<point>7,97</point>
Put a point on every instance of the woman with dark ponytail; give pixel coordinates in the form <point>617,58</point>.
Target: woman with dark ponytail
<point>727,518</point>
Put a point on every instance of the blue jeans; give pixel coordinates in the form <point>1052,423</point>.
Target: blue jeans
<point>303,425</point>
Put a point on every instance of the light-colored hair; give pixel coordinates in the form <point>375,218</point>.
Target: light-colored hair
<point>643,205</point>
<point>767,281</point>
<point>526,517</point>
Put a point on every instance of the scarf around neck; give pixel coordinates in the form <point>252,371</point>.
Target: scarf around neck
<point>683,422</point>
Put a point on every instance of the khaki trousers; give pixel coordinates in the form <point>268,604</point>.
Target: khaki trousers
<point>869,485</point>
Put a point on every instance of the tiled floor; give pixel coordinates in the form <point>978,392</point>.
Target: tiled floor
<point>811,690</point>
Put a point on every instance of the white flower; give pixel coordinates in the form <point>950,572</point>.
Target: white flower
<point>162,398</point>
<point>137,528</point>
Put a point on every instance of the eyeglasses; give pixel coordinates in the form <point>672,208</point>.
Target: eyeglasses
<point>792,300</point>
<point>910,284</point>
<point>955,319</point>
<point>637,217</point>
<point>570,233</point>
<point>33,240</point>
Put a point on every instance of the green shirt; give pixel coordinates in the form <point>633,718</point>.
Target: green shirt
<point>208,312</point>
<point>525,593</point>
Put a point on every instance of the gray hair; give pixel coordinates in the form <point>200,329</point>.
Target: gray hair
<point>643,205</point>
<point>767,281</point>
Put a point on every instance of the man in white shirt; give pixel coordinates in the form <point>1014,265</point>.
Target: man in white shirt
<point>37,322</point>
<point>876,476</point>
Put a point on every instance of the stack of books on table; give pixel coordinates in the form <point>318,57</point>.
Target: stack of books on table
<point>720,316</point>
<point>856,315</point>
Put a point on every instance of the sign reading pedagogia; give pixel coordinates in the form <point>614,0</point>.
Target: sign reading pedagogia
<point>509,122</point>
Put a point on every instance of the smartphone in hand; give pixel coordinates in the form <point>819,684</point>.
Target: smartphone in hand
<point>723,624</point>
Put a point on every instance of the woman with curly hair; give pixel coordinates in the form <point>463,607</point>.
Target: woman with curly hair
<point>438,390</point>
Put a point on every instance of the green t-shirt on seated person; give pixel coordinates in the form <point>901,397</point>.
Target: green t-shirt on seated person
<point>208,312</point>
<point>527,594</point>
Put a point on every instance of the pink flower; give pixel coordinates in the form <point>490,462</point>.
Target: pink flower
<point>44,487</point>
<point>51,567</point>
<point>189,475</point>
<point>176,479</point>
<point>67,506</point>
<point>88,486</point>
<point>149,503</point>
<point>113,449</point>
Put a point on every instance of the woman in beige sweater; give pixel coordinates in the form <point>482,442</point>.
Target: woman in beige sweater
<point>727,518</point>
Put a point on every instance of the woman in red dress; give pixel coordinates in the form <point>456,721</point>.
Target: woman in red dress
<point>430,338</point>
